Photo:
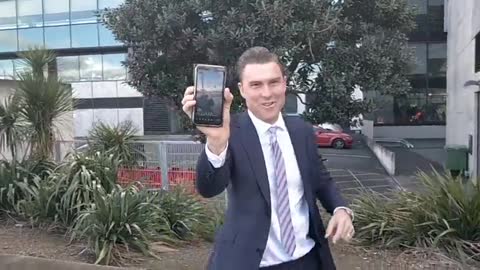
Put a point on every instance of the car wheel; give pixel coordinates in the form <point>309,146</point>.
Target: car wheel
<point>338,144</point>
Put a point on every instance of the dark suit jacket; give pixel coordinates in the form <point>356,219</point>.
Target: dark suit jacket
<point>240,243</point>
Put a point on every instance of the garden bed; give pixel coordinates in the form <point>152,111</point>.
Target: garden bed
<point>26,241</point>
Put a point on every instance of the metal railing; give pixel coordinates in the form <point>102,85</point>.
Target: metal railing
<point>159,164</point>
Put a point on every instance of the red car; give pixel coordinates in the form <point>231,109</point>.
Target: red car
<point>330,138</point>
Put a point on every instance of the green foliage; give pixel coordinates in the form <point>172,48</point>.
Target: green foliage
<point>8,178</point>
<point>30,117</point>
<point>13,129</point>
<point>210,222</point>
<point>38,201</point>
<point>79,177</point>
<point>445,215</point>
<point>329,47</point>
<point>117,221</point>
<point>117,140</point>
<point>182,211</point>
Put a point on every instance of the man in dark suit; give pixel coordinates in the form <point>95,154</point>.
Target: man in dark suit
<point>273,175</point>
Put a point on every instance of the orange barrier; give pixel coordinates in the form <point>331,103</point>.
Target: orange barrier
<point>152,177</point>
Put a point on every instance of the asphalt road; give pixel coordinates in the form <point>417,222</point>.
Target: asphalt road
<point>357,168</point>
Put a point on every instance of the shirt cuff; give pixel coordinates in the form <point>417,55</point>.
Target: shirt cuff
<point>349,211</point>
<point>217,161</point>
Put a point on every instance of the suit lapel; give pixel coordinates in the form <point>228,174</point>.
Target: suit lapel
<point>253,148</point>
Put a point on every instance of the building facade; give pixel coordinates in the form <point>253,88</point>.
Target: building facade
<point>422,114</point>
<point>88,57</point>
<point>463,112</point>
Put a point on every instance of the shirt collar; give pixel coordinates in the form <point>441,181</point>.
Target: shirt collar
<point>262,126</point>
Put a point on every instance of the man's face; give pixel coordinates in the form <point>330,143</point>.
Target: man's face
<point>263,87</point>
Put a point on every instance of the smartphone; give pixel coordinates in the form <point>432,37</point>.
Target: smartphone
<point>209,86</point>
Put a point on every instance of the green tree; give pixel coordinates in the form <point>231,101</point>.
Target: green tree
<point>13,129</point>
<point>329,47</point>
<point>32,114</point>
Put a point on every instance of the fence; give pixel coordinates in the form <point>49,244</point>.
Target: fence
<point>159,164</point>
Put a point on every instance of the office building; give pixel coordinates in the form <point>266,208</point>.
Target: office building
<point>88,57</point>
<point>422,114</point>
<point>463,112</point>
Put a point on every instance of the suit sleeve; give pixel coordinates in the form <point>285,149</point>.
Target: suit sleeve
<point>325,188</point>
<point>213,173</point>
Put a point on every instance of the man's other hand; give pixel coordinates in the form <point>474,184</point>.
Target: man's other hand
<point>340,227</point>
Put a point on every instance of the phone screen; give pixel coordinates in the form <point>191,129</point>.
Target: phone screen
<point>210,85</point>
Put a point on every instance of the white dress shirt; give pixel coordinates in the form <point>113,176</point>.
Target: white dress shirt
<point>274,252</point>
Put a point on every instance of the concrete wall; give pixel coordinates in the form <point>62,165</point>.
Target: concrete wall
<point>85,119</point>
<point>463,24</point>
<point>384,156</point>
<point>368,128</point>
<point>413,132</point>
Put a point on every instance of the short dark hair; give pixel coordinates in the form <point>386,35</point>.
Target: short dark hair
<point>257,55</point>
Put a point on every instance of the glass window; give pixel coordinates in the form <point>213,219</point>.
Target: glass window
<point>30,13</point>
<point>106,37</point>
<point>68,68</point>
<point>102,4</point>
<point>410,110</point>
<point>8,41</point>
<point>437,59</point>
<point>28,38</point>
<point>420,64</point>
<point>90,67</point>
<point>436,106</point>
<point>384,108</point>
<point>8,17</point>
<point>6,69</point>
<point>83,11</point>
<point>420,6</point>
<point>436,18</point>
<point>57,37</point>
<point>113,68</point>
<point>56,12</point>
<point>84,35</point>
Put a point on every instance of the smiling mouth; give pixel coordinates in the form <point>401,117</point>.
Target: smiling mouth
<point>268,104</point>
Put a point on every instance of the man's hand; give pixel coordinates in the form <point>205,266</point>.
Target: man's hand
<point>217,137</point>
<point>340,227</point>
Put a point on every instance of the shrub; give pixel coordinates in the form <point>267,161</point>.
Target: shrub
<point>183,211</point>
<point>78,178</point>
<point>16,177</point>
<point>8,194</point>
<point>210,222</point>
<point>444,215</point>
<point>116,140</point>
<point>116,221</point>
<point>39,199</point>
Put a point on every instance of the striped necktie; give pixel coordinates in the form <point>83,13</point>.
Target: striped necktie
<point>283,205</point>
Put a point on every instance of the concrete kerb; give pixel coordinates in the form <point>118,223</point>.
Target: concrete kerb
<point>385,156</point>
<point>14,262</point>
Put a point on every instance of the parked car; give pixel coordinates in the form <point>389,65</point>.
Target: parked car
<point>332,138</point>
